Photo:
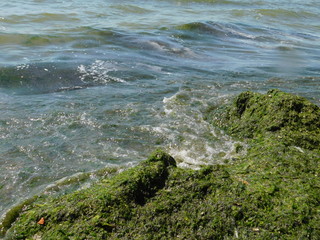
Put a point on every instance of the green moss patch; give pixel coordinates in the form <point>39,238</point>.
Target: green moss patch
<point>273,192</point>
<point>292,119</point>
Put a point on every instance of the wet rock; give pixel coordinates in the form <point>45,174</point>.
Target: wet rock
<point>292,118</point>
<point>272,192</point>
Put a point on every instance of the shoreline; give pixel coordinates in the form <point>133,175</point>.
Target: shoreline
<point>271,192</point>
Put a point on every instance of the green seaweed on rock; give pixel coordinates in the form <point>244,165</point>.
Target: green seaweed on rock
<point>293,119</point>
<point>273,192</point>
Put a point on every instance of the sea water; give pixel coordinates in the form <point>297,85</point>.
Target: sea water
<point>90,84</point>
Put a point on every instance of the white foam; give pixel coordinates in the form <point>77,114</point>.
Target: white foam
<point>22,66</point>
<point>190,139</point>
<point>98,72</point>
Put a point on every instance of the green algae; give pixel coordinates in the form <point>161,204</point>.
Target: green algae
<point>12,215</point>
<point>94,212</point>
<point>272,192</point>
<point>63,186</point>
<point>293,119</point>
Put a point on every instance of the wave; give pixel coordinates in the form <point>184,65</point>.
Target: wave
<point>48,77</point>
<point>285,13</point>
<point>40,18</point>
<point>222,2</point>
<point>84,35</point>
<point>240,31</point>
<point>218,29</point>
<point>131,9</point>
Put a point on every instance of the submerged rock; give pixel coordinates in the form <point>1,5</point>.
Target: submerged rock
<point>272,192</point>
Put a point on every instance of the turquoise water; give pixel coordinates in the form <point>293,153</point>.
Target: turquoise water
<point>90,84</point>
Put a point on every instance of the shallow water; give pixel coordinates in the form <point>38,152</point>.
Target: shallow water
<point>90,84</point>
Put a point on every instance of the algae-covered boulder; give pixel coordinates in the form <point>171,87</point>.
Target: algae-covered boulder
<point>290,117</point>
<point>94,212</point>
<point>272,192</point>
<point>282,164</point>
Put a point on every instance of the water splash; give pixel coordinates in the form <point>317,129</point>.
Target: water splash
<point>98,72</point>
<point>191,139</point>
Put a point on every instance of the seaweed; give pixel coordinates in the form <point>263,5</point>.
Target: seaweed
<point>272,192</point>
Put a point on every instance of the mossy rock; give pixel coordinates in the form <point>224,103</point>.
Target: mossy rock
<point>273,192</point>
<point>292,118</point>
<point>94,212</point>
